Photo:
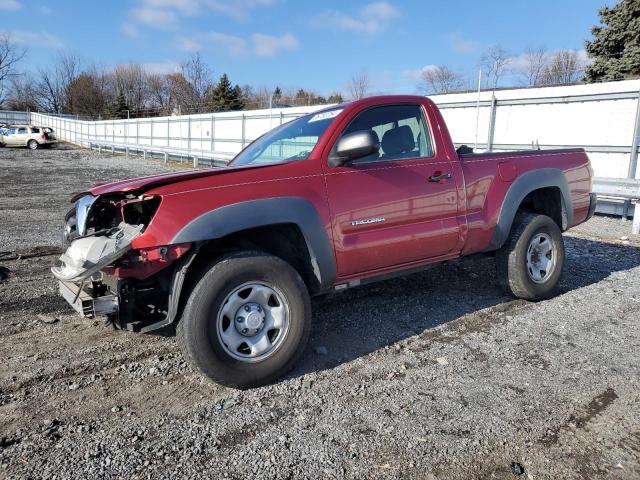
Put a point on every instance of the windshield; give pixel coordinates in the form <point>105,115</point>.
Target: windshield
<point>292,141</point>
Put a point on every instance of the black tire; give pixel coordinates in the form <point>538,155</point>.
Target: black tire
<point>511,260</point>
<point>33,144</point>
<point>197,331</point>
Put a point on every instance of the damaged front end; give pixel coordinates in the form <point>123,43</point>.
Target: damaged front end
<point>100,273</point>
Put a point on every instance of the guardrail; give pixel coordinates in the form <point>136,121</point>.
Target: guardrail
<point>625,188</point>
<point>620,188</point>
<point>204,157</point>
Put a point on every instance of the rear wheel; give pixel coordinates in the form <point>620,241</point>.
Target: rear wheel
<point>33,144</point>
<point>530,263</point>
<point>247,320</point>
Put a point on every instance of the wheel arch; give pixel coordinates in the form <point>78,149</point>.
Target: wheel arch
<point>544,191</point>
<point>287,227</point>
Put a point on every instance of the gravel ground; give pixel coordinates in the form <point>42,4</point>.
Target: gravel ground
<point>435,375</point>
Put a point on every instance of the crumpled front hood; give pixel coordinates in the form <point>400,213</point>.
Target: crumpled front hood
<point>142,184</point>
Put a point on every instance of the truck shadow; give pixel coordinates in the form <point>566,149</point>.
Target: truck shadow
<point>359,321</point>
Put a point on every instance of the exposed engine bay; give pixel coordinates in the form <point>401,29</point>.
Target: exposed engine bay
<point>101,274</point>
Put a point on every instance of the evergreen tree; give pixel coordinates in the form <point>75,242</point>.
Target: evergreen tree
<point>224,96</point>
<point>302,98</point>
<point>277,95</point>
<point>238,98</point>
<point>615,48</point>
<point>335,98</point>
<point>119,108</point>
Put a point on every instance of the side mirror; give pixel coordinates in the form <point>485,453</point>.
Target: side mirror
<point>355,145</point>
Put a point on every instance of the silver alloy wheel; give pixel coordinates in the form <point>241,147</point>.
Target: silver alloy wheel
<point>541,258</point>
<point>33,145</point>
<point>253,321</point>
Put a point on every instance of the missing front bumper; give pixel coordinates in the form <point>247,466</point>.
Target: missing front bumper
<point>86,305</point>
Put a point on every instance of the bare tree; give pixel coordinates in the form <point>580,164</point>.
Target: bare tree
<point>131,80</point>
<point>89,94</point>
<point>158,91</point>
<point>494,63</point>
<point>53,84</point>
<point>262,96</point>
<point>564,68</point>
<point>181,92</point>
<point>533,66</point>
<point>360,85</point>
<point>10,55</point>
<point>441,79</point>
<point>22,94</point>
<point>198,75</point>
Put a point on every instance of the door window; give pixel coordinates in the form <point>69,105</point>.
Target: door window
<point>401,130</point>
<point>22,131</point>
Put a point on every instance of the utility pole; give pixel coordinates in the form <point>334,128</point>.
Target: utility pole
<point>478,107</point>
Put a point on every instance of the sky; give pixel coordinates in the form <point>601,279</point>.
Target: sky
<point>316,45</point>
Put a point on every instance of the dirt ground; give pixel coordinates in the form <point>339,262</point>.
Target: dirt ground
<point>436,375</point>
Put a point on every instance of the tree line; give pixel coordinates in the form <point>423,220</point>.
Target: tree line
<point>130,90</point>
<point>535,68</point>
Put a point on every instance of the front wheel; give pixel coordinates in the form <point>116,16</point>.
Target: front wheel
<point>33,144</point>
<point>246,321</point>
<point>530,263</point>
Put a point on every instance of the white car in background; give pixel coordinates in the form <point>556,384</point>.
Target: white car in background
<point>27,136</point>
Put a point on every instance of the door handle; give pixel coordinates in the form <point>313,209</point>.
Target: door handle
<point>438,178</point>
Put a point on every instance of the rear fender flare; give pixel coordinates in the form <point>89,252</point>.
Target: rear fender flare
<point>519,189</point>
<point>236,217</point>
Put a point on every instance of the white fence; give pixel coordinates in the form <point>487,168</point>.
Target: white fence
<point>204,137</point>
<point>601,118</point>
<point>12,118</point>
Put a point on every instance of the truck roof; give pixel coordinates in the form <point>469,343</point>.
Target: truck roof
<point>378,99</point>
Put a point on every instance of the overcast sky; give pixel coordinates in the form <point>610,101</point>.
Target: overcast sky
<point>311,44</point>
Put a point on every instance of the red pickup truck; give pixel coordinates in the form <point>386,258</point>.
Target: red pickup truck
<point>229,258</point>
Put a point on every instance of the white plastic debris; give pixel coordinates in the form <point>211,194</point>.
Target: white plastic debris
<point>87,255</point>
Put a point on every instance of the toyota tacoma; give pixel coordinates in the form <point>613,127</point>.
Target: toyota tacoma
<point>228,258</point>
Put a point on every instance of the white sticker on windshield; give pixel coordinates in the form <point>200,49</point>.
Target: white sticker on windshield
<point>325,115</point>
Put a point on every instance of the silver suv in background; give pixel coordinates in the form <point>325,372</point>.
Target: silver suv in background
<point>27,136</point>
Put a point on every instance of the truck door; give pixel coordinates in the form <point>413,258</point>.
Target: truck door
<point>396,206</point>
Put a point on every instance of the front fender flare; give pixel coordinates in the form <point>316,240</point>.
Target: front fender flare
<point>240,216</point>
